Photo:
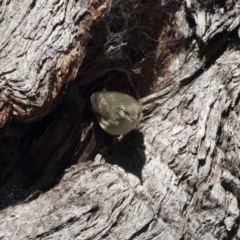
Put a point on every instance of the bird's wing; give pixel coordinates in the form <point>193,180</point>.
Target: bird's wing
<point>95,101</point>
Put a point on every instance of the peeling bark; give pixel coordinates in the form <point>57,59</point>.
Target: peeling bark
<point>176,177</point>
<point>40,52</point>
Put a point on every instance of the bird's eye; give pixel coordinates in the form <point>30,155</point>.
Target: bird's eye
<point>123,112</point>
<point>127,113</point>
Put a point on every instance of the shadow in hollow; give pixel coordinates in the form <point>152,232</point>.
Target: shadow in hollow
<point>33,156</point>
<point>128,153</point>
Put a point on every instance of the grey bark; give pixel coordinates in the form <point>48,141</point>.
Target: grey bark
<point>176,177</point>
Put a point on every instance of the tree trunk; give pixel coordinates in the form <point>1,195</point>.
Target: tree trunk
<point>176,176</point>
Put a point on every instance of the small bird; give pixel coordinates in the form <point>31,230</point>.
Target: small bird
<point>117,113</point>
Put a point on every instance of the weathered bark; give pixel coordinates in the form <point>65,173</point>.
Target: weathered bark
<point>176,177</point>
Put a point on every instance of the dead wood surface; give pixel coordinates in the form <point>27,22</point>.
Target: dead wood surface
<point>176,177</point>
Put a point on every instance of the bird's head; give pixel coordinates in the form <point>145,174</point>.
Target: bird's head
<point>131,113</point>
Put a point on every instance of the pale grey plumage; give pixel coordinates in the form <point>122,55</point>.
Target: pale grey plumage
<point>117,113</point>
